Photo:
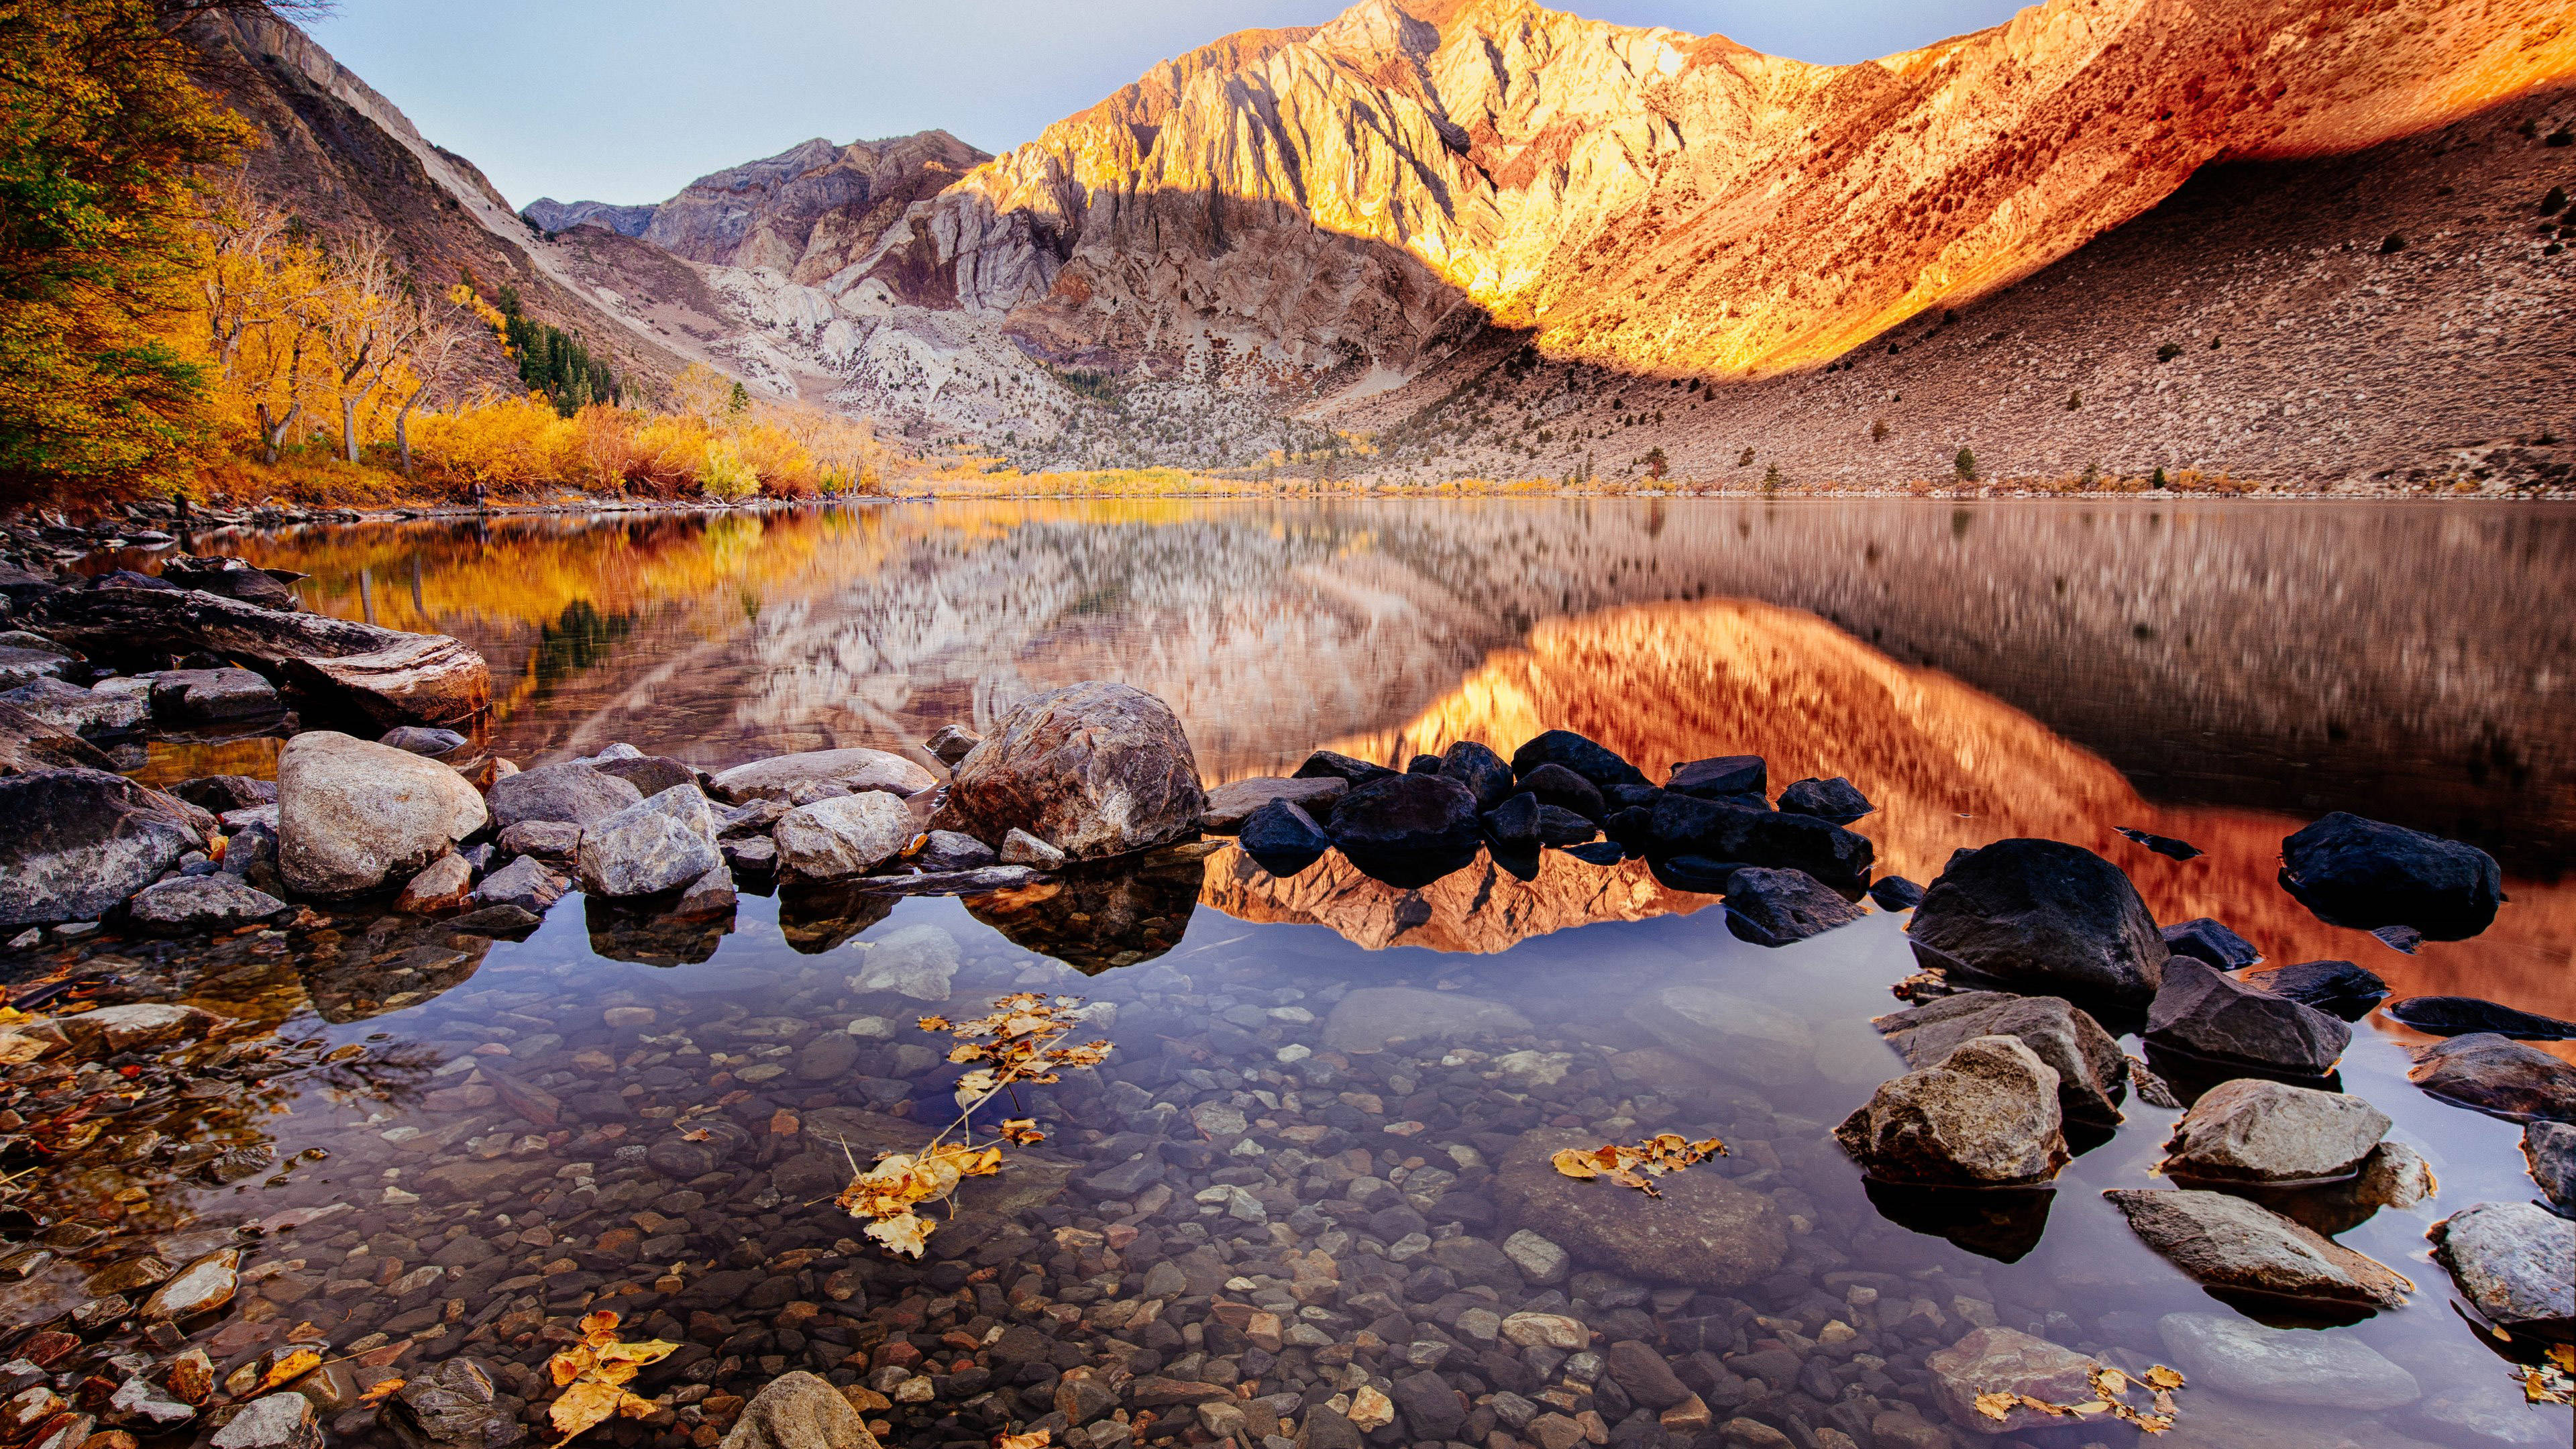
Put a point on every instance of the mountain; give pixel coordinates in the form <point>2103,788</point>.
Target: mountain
<point>552,215</point>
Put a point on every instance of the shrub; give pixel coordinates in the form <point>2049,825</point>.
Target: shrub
<point>1877,434</point>
<point>1965,465</point>
<point>2169,352</point>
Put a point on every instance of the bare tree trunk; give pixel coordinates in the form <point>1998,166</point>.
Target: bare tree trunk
<point>349,427</point>
<point>402,427</point>
<point>272,434</point>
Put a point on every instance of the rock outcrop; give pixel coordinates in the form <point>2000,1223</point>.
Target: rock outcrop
<point>1093,769</point>
<point>75,843</point>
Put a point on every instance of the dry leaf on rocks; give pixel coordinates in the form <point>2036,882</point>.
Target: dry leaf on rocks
<point>2113,1387</point>
<point>593,1375</point>
<point>1637,1166</point>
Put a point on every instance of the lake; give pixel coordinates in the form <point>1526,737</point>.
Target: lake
<point>1303,1177</point>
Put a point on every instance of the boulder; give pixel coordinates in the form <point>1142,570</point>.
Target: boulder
<point>1703,1232</point>
<point>2041,916</point>
<point>2207,941</point>
<point>544,839</point>
<point>353,815</point>
<point>2366,874</point>
<point>2515,1262</point>
<point>946,850</point>
<point>440,889</point>
<point>2092,1072</point>
<point>2253,1131</point>
<point>1408,830</point>
<point>283,1420</point>
<point>568,793</point>
<point>454,1405</point>
<point>2498,1076</point>
<point>1093,769</point>
<point>1229,805</point>
<point>70,708</point>
<point>524,884</point>
<point>22,667</point>
<point>653,846</point>
<point>2247,1360</point>
<point>650,774</point>
<point>232,578</point>
<point>799,1411</point>
<point>2549,1148</point>
<point>423,740</point>
<point>75,843</point>
<point>222,794</point>
<point>1776,907</point>
<point>1330,765</point>
<point>2211,1015</point>
<point>1686,825</point>
<point>1283,839</point>
<point>1562,828</point>
<point>1594,762</point>
<point>1837,800</point>
<point>1375,1017</point>
<point>1728,1035</point>
<point>1513,825</point>
<point>829,772</point>
<point>2230,1245</point>
<point>201,903</point>
<point>212,696</point>
<point>2337,988</point>
<point>2164,845</point>
<point>1021,848</point>
<point>1487,776</point>
<point>2464,1015</point>
<point>843,835</point>
<point>1556,785</point>
<point>1987,1116</point>
<point>950,743</point>
<point>1895,893</point>
<point>1723,777</point>
<point>2004,1360</point>
<point>29,744</point>
<point>137,1026</point>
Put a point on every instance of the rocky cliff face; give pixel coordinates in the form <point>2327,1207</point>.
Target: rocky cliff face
<point>552,215</point>
<point>807,210</point>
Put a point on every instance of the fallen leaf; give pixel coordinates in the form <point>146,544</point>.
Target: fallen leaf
<point>1034,1439</point>
<point>294,1366</point>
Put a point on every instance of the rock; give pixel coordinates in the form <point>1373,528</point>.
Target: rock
<point>2365,874</point>
<point>1742,1040</point>
<point>76,843</point>
<point>273,1421</point>
<point>232,578</point>
<point>945,850</point>
<point>136,1026</point>
<point>2240,1357</point>
<point>1704,1231</point>
<point>1563,828</point>
<point>2549,1148</point>
<point>2092,1072</point>
<point>842,836</point>
<point>1283,839</point>
<point>1640,1369</point>
<point>1695,873</point>
<point>2207,941</point>
<point>202,903</point>
<point>1431,1409</point>
<point>1836,800</point>
<point>452,1406</point>
<point>523,883</point>
<point>1407,830</point>
<point>29,744</point>
<point>2164,845</point>
<point>2002,1360</point>
<point>71,708</point>
<point>799,1411</point>
<point>2515,1262</point>
<point>22,667</point>
<point>1513,825</point>
<point>544,839</point>
<point>1326,765</point>
<point>656,845</point>
<point>1776,907</point>
<point>2337,988</point>
<point>2229,1244</point>
<point>423,740</point>
<point>440,889</point>
<point>1021,848</point>
<point>2214,1016</point>
<point>913,961</point>
<point>2498,1076</point>
<point>1594,762</point>
<point>950,743</point>
<point>1229,805</point>
<point>353,815</point>
<point>2041,916</point>
<point>1987,1116</point>
<point>570,793</point>
<point>1556,785</point>
<point>650,774</point>
<point>2254,1131</point>
<point>1895,893</point>
<point>224,793</point>
<point>1684,825</point>
<point>1537,1259</point>
<point>212,696</point>
<point>1724,777</point>
<point>833,772</point>
<point>500,920</point>
<point>1094,769</point>
<point>1486,775</point>
<point>201,1287</point>
<point>2464,1015</point>
<point>1374,1018</point>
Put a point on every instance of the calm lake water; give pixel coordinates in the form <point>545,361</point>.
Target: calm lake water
<point>641,1115</point>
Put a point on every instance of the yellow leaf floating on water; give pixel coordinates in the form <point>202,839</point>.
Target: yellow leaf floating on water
<point>1637,1166</point>
<point>2160,1377</point>
<point>294,1366</point>
<point>593,1375</point>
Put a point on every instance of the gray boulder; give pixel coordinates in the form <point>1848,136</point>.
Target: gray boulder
<point>568,793</point>
<point>1704,1231</point>
<point>799,1411</point>
<point>212,696</point>
<point>950,743</point>
<point>2337,988</point>
<point>1093,769</point>
<point>80,711</point>
<point>2237,1356</point>
<point>2041,916</point>
<point>653,846</point>
<point>353,814</point>
<point>2515,1261</point>
<point>820,774</point>
<point>948,850</point>
<point>75,843</point>
<point>1837,800</point>
<point>2253,1131</point>
<point>2231,1245</point>
<point>283,1420</point>
<point>915,961</point>
<point>843,836</point>
<point>1776,907</point>
<point>454,1405</point>
<point>2212,1015</point>
<point>423,740</point>
<point>2498,1076</point>
<point>524,883</point>
<point>201,903</point>
<point>1987,1116</point>
<point>2092,1072</point>
<point>2550,1150</point>
<point>544,839</point>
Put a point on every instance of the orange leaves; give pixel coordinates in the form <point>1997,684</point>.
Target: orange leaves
<point>593,1375</point>
<point>1034,1439</point>
<point>1637,1166</point>
<point>2554,1380</point>
<point>1022,1131</point>
<point>2111,1388</point>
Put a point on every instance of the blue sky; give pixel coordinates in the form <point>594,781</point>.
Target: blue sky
<point>629,100</point>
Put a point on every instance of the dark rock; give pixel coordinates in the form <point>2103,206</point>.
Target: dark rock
<point>1326,765</point>
<point>2498,1076</point>
<point>1431,1409</point>
<point>948,850</point>
<point>1685,825</point>
<point>220,793</point>
<point>1641,1370</point>
<point>1229,805</point>
<point>2041,916</point>
<point>1283,839</point>
<point>2203,939</point>
<point>709,1144</point>
<point>1486,775</point>
<point>2338,988</point>
<point>567,793</point>
<point>2516,1262</point>
<point>1837,800</point>
<point>1704,1231</point>
<point>1422,765</point>
<point>75,843</point>
<point>453,1406</point>
<point>1895,893</point>
<point>1513,825</point>
<point>1986,1116</point>
<point>1724,775</point>
<point>2231,1245</point>
<point>1697,873</point>
<point>1096,917</point>
<point>2550,1150</point>
<point>1407,830</point>
<point>423,740</point>
<point>950,743</point>
<point>1561,827</point>
<point>2365,874</point>
<point>28,744</point>
<point>2002,1223</point>
<point>649,774</point>
<point>1596,763</point>
<point>232,578</point>
<point>2214,1016</point>
<point>2164,845</point>
<point>2092,1072</point>
<point>1556,785</point>
<point>1775,907</point>
<point>212,696</point>
<point>2462,1015</point>
<point>1598,852</point>
<point>1093,769</point>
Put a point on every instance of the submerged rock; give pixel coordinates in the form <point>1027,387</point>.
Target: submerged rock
<point>453,1406</point>
<point>2338,988</point>
<point>1374,1018</point>
<point>570,793</point>
<point>354,816</point>
<point>1283,839</point>
<point>2237,1356</point>
<point>2207,941</point>
<point>202,903</point>
<point>912,961</point>
<point>2229,1244</point>
<point>1776,907</point>
<point>1986,1116</point>
<point>2212,1015</point>
<point>2041,916</point>
<point>1230,805</point>
<point>2092,1072</point>
<point>2498,1076</point>
<point>843,836</point>
<point>656,845</point>
<point>2464,1015</point>
<point>1407,830</point>
<point>2366,874</point>
<point>2004,1360</point>
<point>1093,769</point>
<point>1594,762</point>
<point>2516,1262</point>
<point>1729,1035</point>
<point>799,1411</point>
<point>2549,1149</point>
<point>2255,1131</point>
<point>821,773</point>
<point>75,843</point>
<point>1837,800</point>
<point>274,1421</point>
<point>1704,1232</point>
<point>200,1287</point>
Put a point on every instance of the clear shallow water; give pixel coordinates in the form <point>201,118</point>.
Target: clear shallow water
<point>2215,673</point>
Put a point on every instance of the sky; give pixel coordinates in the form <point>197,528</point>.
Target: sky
<point>630,100</point>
